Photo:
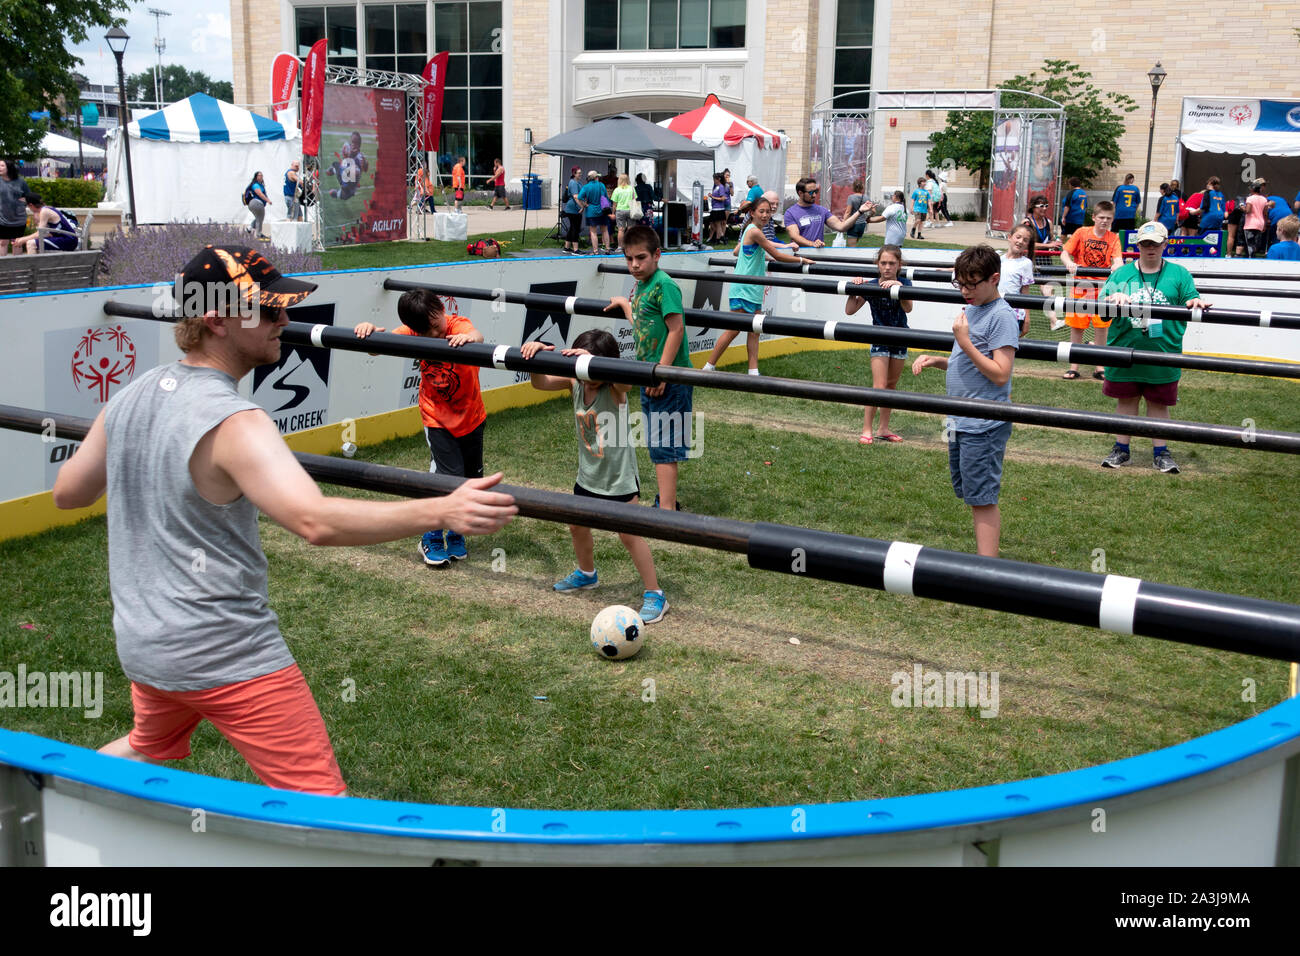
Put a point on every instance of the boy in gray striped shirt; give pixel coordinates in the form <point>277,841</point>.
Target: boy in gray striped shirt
<point>987,334</point>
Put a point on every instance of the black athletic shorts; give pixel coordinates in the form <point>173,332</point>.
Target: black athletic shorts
<point>461,456</point>
<point>582,492</point>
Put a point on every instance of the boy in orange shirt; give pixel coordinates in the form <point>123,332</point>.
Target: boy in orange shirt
<point>458,180</point>
<point>451,405</point>
<point>1094,247</point>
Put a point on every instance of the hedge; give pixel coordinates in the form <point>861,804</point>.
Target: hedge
<point>68,193</point>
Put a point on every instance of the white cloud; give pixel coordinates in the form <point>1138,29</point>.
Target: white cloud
<point>212,36</point>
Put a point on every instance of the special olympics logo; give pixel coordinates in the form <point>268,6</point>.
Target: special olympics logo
<point>1293,116</point>
<point>1240,113</point>
<point>104,358</point>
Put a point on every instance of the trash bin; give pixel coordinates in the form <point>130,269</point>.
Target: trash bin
<point>532,184</point>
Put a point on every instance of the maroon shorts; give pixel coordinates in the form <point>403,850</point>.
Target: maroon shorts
<point>1166,394</point>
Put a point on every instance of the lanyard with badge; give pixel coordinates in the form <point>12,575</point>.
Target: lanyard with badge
<point>1152,328</point>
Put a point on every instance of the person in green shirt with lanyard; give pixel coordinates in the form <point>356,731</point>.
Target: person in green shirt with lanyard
<point>655,311</point>
<point>1151,280</point>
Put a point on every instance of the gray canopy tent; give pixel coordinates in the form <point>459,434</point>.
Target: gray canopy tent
<point>622,137</point>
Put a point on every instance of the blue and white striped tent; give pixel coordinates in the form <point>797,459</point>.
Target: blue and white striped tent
<point>202,119</point>
<point>192,160</point>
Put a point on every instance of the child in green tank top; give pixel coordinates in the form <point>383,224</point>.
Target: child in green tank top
<point>607,467</point>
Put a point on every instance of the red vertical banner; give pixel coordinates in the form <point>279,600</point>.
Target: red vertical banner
<point>284,71</point>
<point>1005,172</point>
<point>313,98</point>
<point>435,76</point>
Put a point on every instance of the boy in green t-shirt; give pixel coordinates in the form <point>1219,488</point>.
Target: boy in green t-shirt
<point>1151,280</point>
<point>655,311</point>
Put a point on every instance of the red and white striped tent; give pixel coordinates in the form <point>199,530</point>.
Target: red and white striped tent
<point>739,144</point>
<point>714,125</point>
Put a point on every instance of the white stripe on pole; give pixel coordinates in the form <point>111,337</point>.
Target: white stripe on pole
<point>1062,352</point>
<point>1118,603</point>
<point>1265,317</point>
<point>317,337</point>
<point>828,330</point>
<point>499,356</point>
<point>900,566</point>
<point>580,367</point>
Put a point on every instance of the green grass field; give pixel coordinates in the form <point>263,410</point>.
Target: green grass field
<point>721,708</point>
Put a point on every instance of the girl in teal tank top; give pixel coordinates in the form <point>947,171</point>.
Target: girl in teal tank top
<point>607,467</point>
<point>751,260</point>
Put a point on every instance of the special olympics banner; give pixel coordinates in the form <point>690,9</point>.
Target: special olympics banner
<point>313,98</point>
<point>1005,172</point>
<point>284,72</point>
<point>435,76</point>
<point>1216,113</point>
<point>363,165</point>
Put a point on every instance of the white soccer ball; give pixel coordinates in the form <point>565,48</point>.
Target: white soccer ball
<point>617,633</point>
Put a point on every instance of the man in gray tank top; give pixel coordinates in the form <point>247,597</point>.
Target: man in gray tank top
<point>187,464</point>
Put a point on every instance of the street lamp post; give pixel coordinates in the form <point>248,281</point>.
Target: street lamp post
<point>1157,76</point>
<point>116,39</point>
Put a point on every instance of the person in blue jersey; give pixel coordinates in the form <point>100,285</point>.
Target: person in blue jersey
<point>1286,248</point>
<point>1167,208</point>
<point>1278,210</point>
<point>1214,205</point>
<point>1127,200</point>
<point>1073,207</point>
<point>748,298</point>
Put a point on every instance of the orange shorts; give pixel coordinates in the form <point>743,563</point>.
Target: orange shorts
<point>1080,320</point>
<point>272,720</point>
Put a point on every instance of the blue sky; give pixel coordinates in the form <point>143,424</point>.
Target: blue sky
<point>197,35</point>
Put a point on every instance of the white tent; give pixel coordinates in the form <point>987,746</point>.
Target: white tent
<point>739,144</point>
<point>61,147</point>
<point>191,161</point>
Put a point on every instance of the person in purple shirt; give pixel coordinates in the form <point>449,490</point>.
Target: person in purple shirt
<point>806,222</point>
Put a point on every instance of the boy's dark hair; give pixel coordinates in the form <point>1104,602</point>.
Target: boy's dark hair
<point>976,263</point>
<point>598,342</point>
<point>641,237</point>
<point>33,198</point>
<point>1074,182</point>
<point>416,306</point>
<point>1104,206</point>
<point>1164,185</point>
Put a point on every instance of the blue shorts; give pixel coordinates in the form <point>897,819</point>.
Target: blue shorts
<point>975,461</point>
<point>893,352</point>
<point>743,305</point>
<point>668,424</point>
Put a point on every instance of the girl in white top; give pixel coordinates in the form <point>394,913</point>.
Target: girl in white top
<point>1018,268</point>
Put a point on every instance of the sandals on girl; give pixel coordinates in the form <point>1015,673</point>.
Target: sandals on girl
<point>865,439</point>
<point>1071,374</point>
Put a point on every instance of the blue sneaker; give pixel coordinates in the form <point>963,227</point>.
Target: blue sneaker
<point>456,546</point>
<point>577,581</point>
<point>653,607</point>
<point>432,549</point>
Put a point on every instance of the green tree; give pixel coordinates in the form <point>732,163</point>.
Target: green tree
<point>1094,122</point>
<point>37,72</point>
<point>178,83</point>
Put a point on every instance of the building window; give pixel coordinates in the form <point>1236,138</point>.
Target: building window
<point>663,24</point>
<point>338,25</point>
<point>397,40</point>
<point>852,72</point>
